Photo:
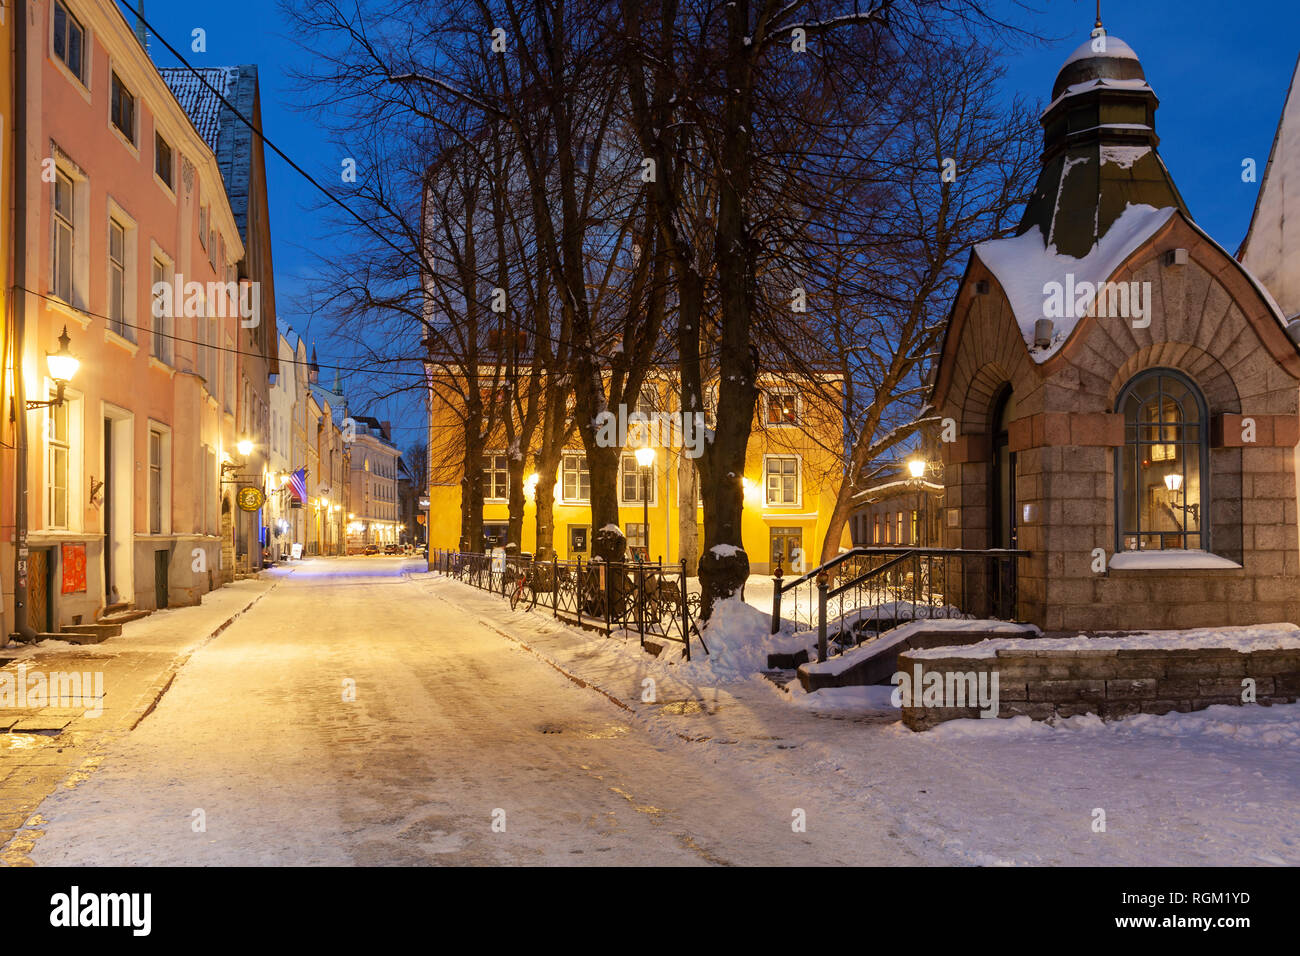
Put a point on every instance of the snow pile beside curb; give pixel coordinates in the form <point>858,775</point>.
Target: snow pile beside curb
<point>891,638</point>
<point>863,698</point>
<point>1255,637</point>
<point>1278,725</point>
<point>739,640</point>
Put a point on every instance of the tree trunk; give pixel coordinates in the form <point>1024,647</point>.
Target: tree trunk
<point>839,517</point>
<point>545,517</point>
<point>688,523</point>
<point>515,525</point>
<point>607,540</point>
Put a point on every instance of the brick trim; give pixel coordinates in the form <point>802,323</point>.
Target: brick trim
<point>966,448</point>
<point>1066,429</point>
<point>1271,431</point>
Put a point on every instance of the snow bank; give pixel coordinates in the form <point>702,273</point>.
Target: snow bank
<point>1278,725</point>
<point>869,697</point>
<point>739,642</point>
<point>895,636</point>
<point>1023,266</point>
<point>888,611</point>
<point>1255,637</point>
<point>1171,558</point>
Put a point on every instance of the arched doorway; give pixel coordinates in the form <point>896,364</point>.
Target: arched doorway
<point>1002,476</point>
<point>1002,503</point>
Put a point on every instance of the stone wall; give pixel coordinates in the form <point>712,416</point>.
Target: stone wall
<point>1112,683</point>
<point>1207,322</point>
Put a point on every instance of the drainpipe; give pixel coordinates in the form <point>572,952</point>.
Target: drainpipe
<point>23,630</point>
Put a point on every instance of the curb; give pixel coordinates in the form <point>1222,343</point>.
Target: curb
<point>163,684</point>
<point>580,681</point>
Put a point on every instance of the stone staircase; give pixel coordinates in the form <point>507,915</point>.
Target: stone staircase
<point>109,624</point>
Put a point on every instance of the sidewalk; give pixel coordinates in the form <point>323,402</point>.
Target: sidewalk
<point>44,746</point>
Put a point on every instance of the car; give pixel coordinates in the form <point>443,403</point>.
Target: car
<point>371,549</point>
<point>393,549</point>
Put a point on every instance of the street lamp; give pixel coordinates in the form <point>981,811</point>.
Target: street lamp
<point>645,458</point>
<point>917,469</point>
<point>61,365</point>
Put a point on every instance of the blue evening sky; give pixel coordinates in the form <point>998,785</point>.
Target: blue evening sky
<point>1220,70</point>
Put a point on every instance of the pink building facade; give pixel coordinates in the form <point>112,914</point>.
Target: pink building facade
<point>125,478</point>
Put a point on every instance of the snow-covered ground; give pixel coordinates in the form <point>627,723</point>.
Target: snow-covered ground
<point>466,713</point>
<point>1217,787</point>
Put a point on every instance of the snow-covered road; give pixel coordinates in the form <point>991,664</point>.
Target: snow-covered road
<point>460,747</point>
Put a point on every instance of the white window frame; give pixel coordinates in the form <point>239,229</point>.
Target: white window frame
<point>163,502</point>
<point>565,459</point>
<point>53,520</point>
<point>489,480</point>
<point>131,138</point>
<point>87,47</point>
<point>162,346</point>
<point>170,187</point>
<point>798,481</point>
<point>624,458</point>
<point>64,221</point>
<point>127,329</point>
<point>798,406</point>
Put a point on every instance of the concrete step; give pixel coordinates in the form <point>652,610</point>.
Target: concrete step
<point>119,606</point>
<point>70,638</point>
<point>876,661</point>
<point>101,631</point>
<point>123,617</point>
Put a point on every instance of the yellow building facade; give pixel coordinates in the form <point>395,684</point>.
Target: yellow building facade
<point>793,467</point>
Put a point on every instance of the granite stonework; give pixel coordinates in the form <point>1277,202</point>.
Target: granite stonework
<point>1112,683</point>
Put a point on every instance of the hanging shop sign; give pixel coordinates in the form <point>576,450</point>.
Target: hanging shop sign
<point>249,498</point>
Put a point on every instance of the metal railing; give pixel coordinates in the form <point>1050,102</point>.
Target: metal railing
<point>879,588</point>
<point>652,600</point>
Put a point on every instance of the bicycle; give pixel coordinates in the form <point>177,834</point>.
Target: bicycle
<point>521,581</point>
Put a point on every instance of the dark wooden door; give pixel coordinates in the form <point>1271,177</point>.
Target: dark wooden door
<point>160,578</point>
<point>38,589</point>
<point>110,579</point>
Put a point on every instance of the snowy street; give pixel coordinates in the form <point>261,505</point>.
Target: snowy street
<point>471,741</point>
<point>451,722</point>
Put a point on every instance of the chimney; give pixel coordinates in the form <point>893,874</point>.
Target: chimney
<point>387,429</point>
<point>140,33</point>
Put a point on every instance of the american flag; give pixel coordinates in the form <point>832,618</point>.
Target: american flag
<point>298,484</point>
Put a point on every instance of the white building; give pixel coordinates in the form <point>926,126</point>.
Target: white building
<point>375,515</point>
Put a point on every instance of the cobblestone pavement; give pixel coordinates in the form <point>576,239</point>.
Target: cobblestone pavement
<point>44,748</point>
<point>352,717</point>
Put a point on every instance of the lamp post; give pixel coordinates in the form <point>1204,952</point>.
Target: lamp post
<point>61,365</point>
<point>645,457</point>
<point>917,469</point>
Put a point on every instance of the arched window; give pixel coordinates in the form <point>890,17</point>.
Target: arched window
<point>1161,472</point>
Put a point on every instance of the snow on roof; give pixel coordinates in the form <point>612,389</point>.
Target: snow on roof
<point>1023,266</point>
<point>1115,48</point>
<point>1074,89</point>
<point>1123,156</point>
<point>1255,637</point>
<point>1170,558</point>
<point>905,484</point>
<point>199,101</point>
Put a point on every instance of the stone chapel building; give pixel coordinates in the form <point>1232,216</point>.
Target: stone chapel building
<point>1122,391</point>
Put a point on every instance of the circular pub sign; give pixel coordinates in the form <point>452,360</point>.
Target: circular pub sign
<point>249,498</point>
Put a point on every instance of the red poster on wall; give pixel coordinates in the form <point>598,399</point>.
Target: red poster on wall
<point>74,568</point>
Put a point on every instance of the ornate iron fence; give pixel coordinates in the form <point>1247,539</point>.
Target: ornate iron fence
<point>866,591</point>
<point>651,600</point>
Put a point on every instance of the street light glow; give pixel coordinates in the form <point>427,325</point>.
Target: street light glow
<point>645,456</point>
<point>62,364</point>
<point>917,467</point>
<point>244,446</point>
